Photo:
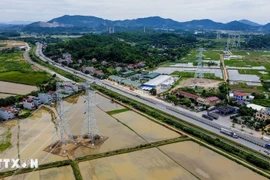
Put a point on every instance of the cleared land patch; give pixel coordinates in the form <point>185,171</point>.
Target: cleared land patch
<point>10,44</point>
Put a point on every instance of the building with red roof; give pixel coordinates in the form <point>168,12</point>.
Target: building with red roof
<point>239,96</point>
<point>187,95</point>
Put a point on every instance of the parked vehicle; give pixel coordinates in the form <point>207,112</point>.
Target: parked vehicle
<point>266,138</point>
<point>207,117</point>
<point>213,115</point>
<point>267,146</point>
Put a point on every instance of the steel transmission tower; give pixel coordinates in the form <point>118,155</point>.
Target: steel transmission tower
<point>238,41</point>
<point>234,41</point>
<point>199,71</point>
<point>89,128</point>
<point>61,125</point>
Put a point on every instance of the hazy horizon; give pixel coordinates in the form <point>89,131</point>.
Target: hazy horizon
<point>178,10</point>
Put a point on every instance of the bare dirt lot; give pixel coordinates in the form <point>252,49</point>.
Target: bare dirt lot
<point>10,44</point>
<point>207,164</point>
<point>150,164</point>
<point>205,83</point>
<point>13,88</point>
<point>2,95</point>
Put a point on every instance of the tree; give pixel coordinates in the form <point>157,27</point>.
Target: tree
<point>153,91</point>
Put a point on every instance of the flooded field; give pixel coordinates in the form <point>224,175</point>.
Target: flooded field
<point>119,135</point>
<point>207,164</point>
<point>61,173</point>
<point>146,128</point>
<point>150,164</point>
<point>106,104</point>
<point>30,136</point>
<point>15,88</point>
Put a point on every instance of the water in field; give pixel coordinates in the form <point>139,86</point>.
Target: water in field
<point>207,164</point>
<point>61,173</point>
<point>146,128</point>
<point>150,164</point>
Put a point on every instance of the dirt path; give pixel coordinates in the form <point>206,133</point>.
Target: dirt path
<point>225,71</point>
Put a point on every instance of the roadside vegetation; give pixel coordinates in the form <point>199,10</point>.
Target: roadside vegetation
<point>117,111</point>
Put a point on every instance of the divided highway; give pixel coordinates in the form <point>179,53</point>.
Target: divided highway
<point>251,142</point>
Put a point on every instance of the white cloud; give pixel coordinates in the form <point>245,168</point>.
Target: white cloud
<point>180,10</point>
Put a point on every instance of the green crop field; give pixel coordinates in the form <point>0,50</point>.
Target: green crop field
<point>14,62</point>
<point>14,68</point>
<point>212,55</point>
<point>24,78</point>
<point>241,63</point>
<point>256,72</point>
<point>192,74</point>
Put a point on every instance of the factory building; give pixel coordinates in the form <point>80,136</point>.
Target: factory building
<point>162,82</point>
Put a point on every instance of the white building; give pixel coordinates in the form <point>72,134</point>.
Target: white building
<point>36,100</point>
<point>256,107</point>
<point>28,104</point>
<point>6,113</point>
<point>45,98</point>
<point>70,87</point>
<point>162,81</point>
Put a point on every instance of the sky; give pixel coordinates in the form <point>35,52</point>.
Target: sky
<point>179,10</point>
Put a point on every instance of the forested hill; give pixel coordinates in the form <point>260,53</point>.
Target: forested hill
<point>125,48</point>
<point>259,42</point>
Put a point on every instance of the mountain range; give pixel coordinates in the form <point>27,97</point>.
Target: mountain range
<point>100,24</point>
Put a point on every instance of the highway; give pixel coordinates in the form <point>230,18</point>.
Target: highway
<point>249,141</point>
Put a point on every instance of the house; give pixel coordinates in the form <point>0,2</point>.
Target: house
<point>45,98</point>
<point>130,66</point>
<point>104,63</point>
<point>80,61</point>
<point>213,100</point>
<point>98,73</point>
<point>118,69</point>
<point>70,87</point>
<point>36,100</point>
<point>94,60</point>
<point>28,104</point>
<point>87,68</point>
<point>263,114</point>
<point>141,64</point>
<point>66,56</point>
<point>6,113</point>
<point>53,95</point>
<point>239,96</point>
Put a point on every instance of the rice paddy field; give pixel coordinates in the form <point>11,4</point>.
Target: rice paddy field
<point>14,88</point>
<point>61,173</point>
<point>125,129</point>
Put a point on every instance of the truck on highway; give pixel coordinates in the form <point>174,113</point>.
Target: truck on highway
<point>213,115</point>
<point>267,146</point>
<point>228,132</point>
<point>207,117</point>
<point>266,138</point>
